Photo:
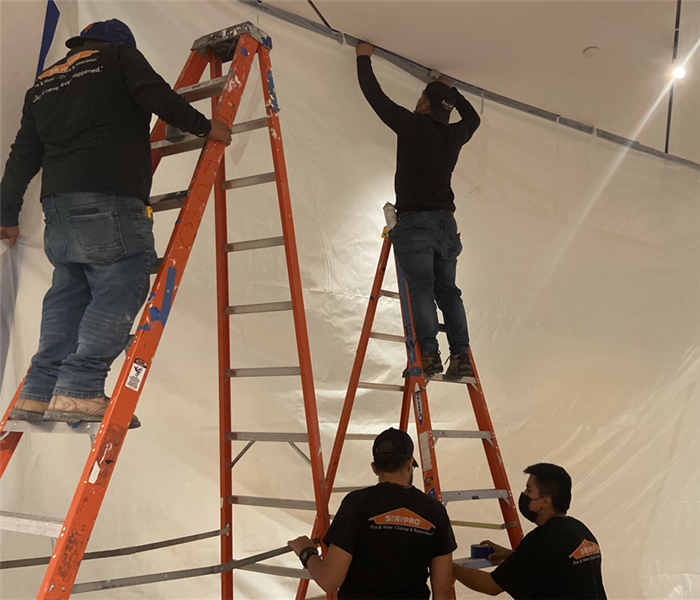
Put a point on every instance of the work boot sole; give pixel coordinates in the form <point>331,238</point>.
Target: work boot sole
<point>19,414</point>
<point>72,417</point>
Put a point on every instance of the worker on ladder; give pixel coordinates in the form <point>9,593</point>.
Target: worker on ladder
<point>425,239</point>
<point>86,123</point>
<point>386,540</point>
<point>559,559</point>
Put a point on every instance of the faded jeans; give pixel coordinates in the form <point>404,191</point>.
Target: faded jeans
<point>102,250</point>
<point>426,246</point>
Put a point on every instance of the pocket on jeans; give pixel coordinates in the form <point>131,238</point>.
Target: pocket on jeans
<point>99,236</point>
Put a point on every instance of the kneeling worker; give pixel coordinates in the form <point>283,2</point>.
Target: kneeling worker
<point>560,559</point>
<point>387,539</point>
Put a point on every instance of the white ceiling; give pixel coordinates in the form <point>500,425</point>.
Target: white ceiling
<point>532,51</point>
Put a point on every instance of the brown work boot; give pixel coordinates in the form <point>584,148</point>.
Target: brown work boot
<point>74,410</point>
<point>28,410</point>
<point>460,366</point>
<point>432,365</point>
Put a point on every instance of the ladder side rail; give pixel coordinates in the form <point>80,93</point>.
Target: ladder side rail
<point>224,358</point>
<point>9,442</point>
<point>70,547</point>
<point>351,393</point>
<point>418,391</point>
<point>294,274</point>
<point>494,459</point>
<point>191,73</point>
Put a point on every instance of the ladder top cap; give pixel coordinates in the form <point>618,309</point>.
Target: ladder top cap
<point>223,42</point>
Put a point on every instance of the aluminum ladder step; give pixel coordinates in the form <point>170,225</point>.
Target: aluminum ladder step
<point>461,495</point>
<point>385,387</point>
<point>388,294</point>
<point>241,182</point>
<point>266,307</point>
<point>254,244</point>
<point>264,372</point>
<point>21,523</point>
<point>185,142</point>
<point>83,427</point>
<point>443,378</point>
<point>457,434</point>
<point>279,571</point>
<point>387,337</point>
<point>272,502</point>
<point>168,201</point>
<point>255,436</point>
<point>203,89</point>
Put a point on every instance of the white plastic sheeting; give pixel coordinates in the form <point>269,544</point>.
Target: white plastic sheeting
<point>580,280</point>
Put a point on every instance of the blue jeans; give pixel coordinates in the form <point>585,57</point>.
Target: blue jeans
<point>426,246</point>
<point>102,250</point>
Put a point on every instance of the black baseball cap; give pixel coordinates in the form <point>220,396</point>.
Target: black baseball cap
<point>442,100</point>
<point>393,441</point>
<point>105,31</point>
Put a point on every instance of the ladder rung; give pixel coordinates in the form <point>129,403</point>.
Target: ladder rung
<point>183,143</point>
<point>474,563</point>
<point>20,523</point>
<point>233,184</point>
<point>461,495</point>
<point>388,337</point>
<point>441,327</point>
<point>477,525</point>
<point>264,372</point>
<point>244,309</point>
<point>388,294</point>
<point>203,89</point>
<point>444,433</point>
<point>359,437</point>
<point>254,244</point>
<point>156,267</point>
<point>187,142</point>
<point>167,201</point>
<point>88,427</point>
<point>272,502</point>
<point>381,386</point>
<point>279,571</point>
<point>349,488</point>
<point>443,378</point>
<point>248,436</point>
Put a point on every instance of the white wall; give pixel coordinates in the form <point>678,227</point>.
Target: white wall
<point>580,279</point>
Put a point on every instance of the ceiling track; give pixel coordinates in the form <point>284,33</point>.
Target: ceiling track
<point>423,74</point>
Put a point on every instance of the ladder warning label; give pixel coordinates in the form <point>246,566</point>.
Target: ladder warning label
<point>136,375</point>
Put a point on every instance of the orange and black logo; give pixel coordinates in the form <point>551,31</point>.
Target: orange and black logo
<point>64,67</point>
<point>403,517</point>
<point>586,551</point>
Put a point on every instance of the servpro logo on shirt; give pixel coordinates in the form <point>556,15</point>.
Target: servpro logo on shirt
<point>402,518</point>
<point>65,66</point>
<point>586,551</point>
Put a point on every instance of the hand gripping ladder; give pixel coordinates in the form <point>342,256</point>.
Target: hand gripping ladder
<point>238,44</point>
<point>414,392</point>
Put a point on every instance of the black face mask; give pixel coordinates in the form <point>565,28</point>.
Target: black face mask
<point>524,506</point>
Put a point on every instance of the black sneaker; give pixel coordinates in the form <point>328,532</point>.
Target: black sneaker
<point>432,364</point>
<point>460,366</point>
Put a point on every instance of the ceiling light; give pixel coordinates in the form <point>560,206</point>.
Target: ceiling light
<point>679,72</point>
<point>591,51</point>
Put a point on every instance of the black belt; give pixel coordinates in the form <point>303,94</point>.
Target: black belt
<point>415,212</point>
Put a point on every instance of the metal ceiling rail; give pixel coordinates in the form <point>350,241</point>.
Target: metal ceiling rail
<point>423,74</point>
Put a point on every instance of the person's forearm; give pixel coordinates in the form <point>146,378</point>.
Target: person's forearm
<point>316,568</point>
<point>476,580</point>
<point>467,112</point>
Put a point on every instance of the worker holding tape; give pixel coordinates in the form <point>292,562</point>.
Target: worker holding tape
<point>86,123</point>
<point>559,560</point>
<point>388,539</point>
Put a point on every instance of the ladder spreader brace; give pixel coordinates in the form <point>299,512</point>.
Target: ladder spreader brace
<point>239,44</point>
<point>414,392</point>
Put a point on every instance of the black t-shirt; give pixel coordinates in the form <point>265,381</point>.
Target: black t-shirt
<point>559,561</point>
<point>427,150</point>
<point>392,533</point>
<point>86,121</point>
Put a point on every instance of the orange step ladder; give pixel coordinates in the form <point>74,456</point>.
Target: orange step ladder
<point>238,44</point>
<point>415,393</point>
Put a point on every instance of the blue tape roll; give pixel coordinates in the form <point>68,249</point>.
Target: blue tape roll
<point>481,550</point>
